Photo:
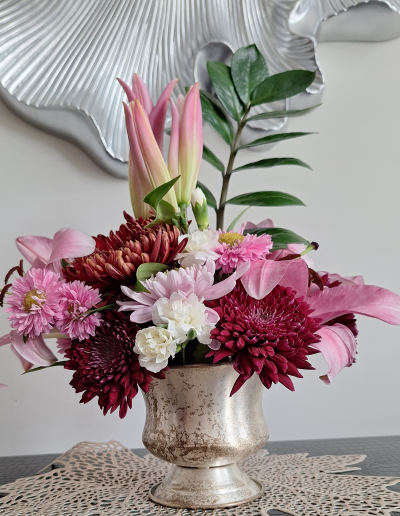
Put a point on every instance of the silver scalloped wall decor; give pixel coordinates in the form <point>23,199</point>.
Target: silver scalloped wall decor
<point>59,58</point>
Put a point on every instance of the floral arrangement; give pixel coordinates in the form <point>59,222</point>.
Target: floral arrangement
<point>159,292</point>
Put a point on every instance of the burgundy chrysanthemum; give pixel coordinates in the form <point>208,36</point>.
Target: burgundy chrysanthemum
<point>116,257</point>
<point>106,366</point>
<point>270,337</point>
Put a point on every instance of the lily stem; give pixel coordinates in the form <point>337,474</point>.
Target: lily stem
<point>229,168</point>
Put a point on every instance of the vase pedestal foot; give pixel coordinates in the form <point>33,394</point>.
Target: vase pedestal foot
<point>206,488</point>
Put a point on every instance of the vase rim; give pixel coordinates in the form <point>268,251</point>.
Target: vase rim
<point>200,366</point>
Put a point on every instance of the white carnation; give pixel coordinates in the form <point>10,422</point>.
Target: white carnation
<point>154,347</point>
<point>200,248</point>
<point>182,314</point>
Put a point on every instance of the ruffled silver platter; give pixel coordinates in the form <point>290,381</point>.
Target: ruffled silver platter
<point>59,59</point>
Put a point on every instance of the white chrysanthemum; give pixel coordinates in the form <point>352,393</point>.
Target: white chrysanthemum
<point>183,313</point>
<point>200,248</point>
<point>154,347</point>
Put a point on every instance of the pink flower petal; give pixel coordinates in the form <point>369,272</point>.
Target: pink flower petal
<point>26,366</point>
<point>338,347</point>
<point>33,247</point>
<point>129,92</point>
<point>142,93</point>
<point>34,350</point>
<point>142,315</point>
<point>5,339</point>
<point>360,299</point>
<point>263,276</point>
<point>159,112</point>
<point>173,149</point>
<point>3,387</point>
<point>71,243</point>
<point>266,223</point>
<point>296,277</point>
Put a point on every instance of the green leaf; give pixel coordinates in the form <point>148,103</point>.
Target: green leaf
<point>216,117</point>
<point>236,219</point>
<point>248,70</point>
<point>266,199</point>
<point>292,113</point>
<point>221,80</point>
<point>273,162</point>
<point>211,158</point>
<point>282,86</point>
<point>155,196</point>
<point>211,201</point>
<point>273,138</point>
<point>146,270</point>
<point>94,310</point>
<point>280,237</point>
<point>164,214</point>
<point>60,363</point>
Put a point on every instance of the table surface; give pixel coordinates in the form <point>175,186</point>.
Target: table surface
<point>383,456</point>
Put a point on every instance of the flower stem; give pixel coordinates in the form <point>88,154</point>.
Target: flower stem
<point>229,168</point>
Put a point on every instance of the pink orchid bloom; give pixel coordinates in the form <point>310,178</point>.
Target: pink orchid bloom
<point>351,296</point>
<point>46,252</point>
<point>197,280</point>
<point>147,169</point>
<point>186,144</point>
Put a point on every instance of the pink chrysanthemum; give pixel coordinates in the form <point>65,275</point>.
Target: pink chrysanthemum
<point>235,249</point>
<point>34,301</point>
<point>76,298</point>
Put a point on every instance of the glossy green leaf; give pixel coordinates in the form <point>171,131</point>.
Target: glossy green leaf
<point>214,114</point>
<point>273,162</point>
<point>211,201</point>
<point>280,237</point>
<point>232,225</point>
<point>266,199</point>
<point>282,86</point>
<point>211,158</point>
<point>146,270</point>
<point>273,138</point>
<point>155,196</point>
<point>165,212</point>
<point>291,113</point>
<point>221,80</point>
<point>248,69</point>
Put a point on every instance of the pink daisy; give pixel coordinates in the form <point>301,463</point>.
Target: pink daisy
<point>235,249</point>
<point>76,299</point>
<point>33,302</point>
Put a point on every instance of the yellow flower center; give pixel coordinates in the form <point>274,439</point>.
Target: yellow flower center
<point>29,300</point>
<point>230,238</point>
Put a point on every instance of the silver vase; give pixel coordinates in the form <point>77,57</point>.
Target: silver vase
<point>192,422</point>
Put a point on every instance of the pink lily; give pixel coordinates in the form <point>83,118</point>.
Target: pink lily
<point>186,144</point>
<point>337,345</point>
<point>46,252</point>
<point>266,223</point>
<point>147,168</point>
<point>157,113</point>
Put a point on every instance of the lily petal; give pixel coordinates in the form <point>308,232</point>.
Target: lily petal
<point>263,276</point>
<point>338,347</point>
<point>33,247</point>
<point>3,387</point>
<point>359,299</point>
<point>5,339</point>
<point>71,243</point>
<point>173,150</point>
<point>26,366</point>
<point>159,113</point>
<point>142,93</point>
<point>296,277</point>
<point>34,350</point>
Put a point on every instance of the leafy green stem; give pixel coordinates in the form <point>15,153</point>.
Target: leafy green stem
<point>229,168</point>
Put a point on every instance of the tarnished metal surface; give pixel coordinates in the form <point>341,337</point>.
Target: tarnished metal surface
<point>59,59</point>
<point>192,422</point>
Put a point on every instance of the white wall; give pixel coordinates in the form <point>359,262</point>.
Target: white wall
<point>352,210</point>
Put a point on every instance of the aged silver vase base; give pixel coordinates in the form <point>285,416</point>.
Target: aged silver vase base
<point>206,488</point>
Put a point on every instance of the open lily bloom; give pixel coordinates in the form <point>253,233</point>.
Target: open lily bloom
<point>349,296</point>
<point>48,252</point>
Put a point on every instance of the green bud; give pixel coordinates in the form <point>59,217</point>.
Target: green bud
<point>200,208</point>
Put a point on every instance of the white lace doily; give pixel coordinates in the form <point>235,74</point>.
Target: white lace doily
<point>109,480</point>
